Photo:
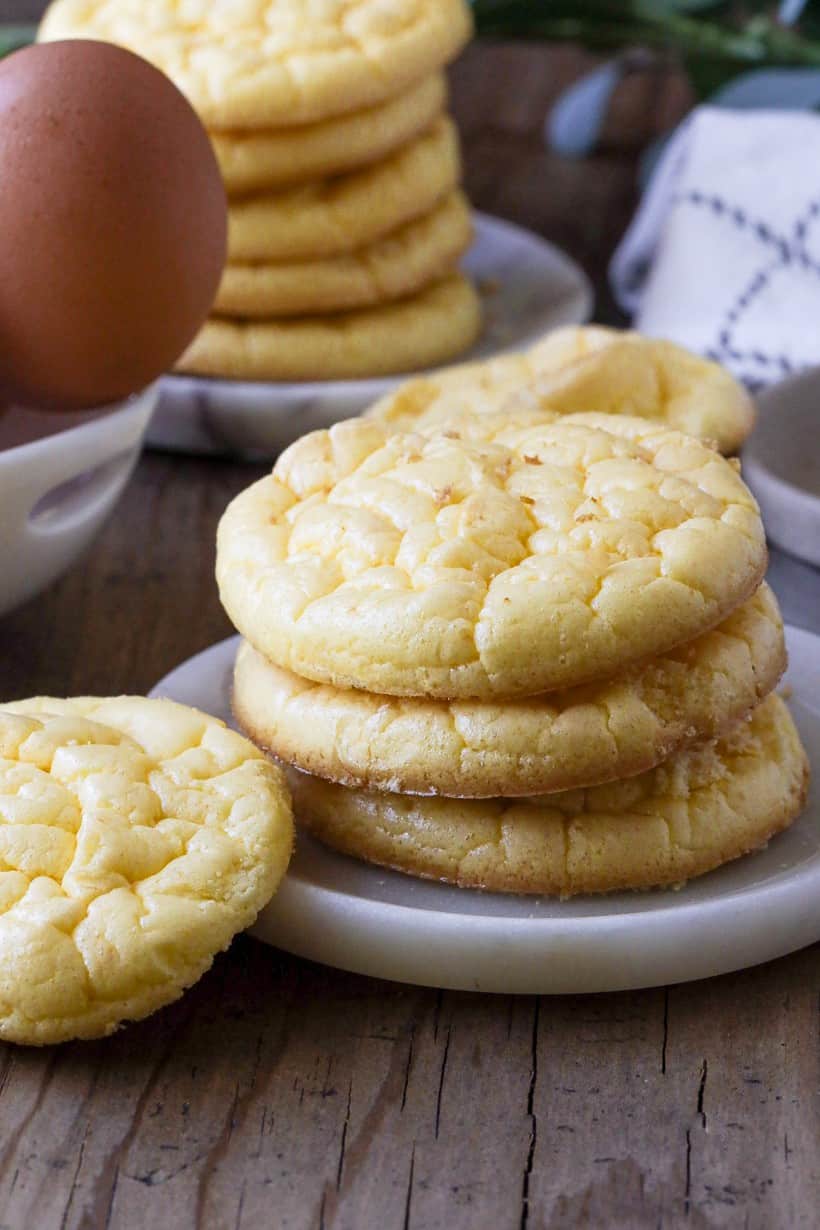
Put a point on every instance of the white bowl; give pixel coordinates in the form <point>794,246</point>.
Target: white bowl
<point>781,463</point>
<point>56,492</point>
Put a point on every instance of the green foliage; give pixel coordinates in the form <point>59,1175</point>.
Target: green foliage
<point>716,40</point>
<point>12,38</point>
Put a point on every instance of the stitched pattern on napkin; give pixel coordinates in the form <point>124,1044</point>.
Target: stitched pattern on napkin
<point>791,251</point>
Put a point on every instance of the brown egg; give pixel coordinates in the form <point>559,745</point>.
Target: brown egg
<point>113,224</point>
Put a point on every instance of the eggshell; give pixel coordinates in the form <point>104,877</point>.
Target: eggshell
<point>113,224</point>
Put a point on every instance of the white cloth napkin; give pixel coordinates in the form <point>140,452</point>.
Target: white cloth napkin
<point>723,254</point>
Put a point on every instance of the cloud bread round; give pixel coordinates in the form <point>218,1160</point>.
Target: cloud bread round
<point>708,804</point>
<point>439,567</point>
<point>275,63</point>
<point>401,263</point>
<point>472,749</point>
<point>338,215</point>
<point>280,157</point>
<point>584,368</point>
<point>137,837</point>
<point>439,321</point>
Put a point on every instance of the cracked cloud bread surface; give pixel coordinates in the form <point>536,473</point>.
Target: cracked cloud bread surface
<point>580,368</point>
<point>587,735</point>
<point>439,567</point>
<point>275,63</point>
<point>137,837</point>
<point>708,804</point>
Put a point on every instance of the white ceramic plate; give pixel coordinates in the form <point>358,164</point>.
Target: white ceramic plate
<point>343,913</point>
<point>536,287</point>
<point>781,463</point>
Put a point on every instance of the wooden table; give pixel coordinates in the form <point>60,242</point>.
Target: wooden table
<point>281,1094</point>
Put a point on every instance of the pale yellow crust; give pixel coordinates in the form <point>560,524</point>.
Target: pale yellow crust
<point>583,368</point>
<point>708,804</point>
<point>438,322</point>
<point>137,837</point>
<point>437,567</point>
<point>275,63</point>
<point>338,215</point>
<point>281,157</point>
<point>403,262</point>
<point>472,749</point>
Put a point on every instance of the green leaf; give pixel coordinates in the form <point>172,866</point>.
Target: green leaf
<point>719,39</point>
<point>12,38</point>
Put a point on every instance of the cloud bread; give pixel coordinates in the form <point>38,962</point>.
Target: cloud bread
<point>440,567</point>
<point>280,157</point>
<point>401,263</point>
<point>583,368</point>
<point>708,804</point>
<point>137,837</point>
<point>343,213</point>
<point>439,321</point>
<point>473,749</point>
<point>275,63</point>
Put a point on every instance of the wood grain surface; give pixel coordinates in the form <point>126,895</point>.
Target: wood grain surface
<point>280,1094</point>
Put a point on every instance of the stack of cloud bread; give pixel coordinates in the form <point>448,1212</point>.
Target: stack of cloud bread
<point>346,221</point>
<point>536,658</point>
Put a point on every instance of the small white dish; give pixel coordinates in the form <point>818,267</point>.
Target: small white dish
<point>361,918</point>
<point>781,463</point>
<point>530,287</point>
<point>56,491</point>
